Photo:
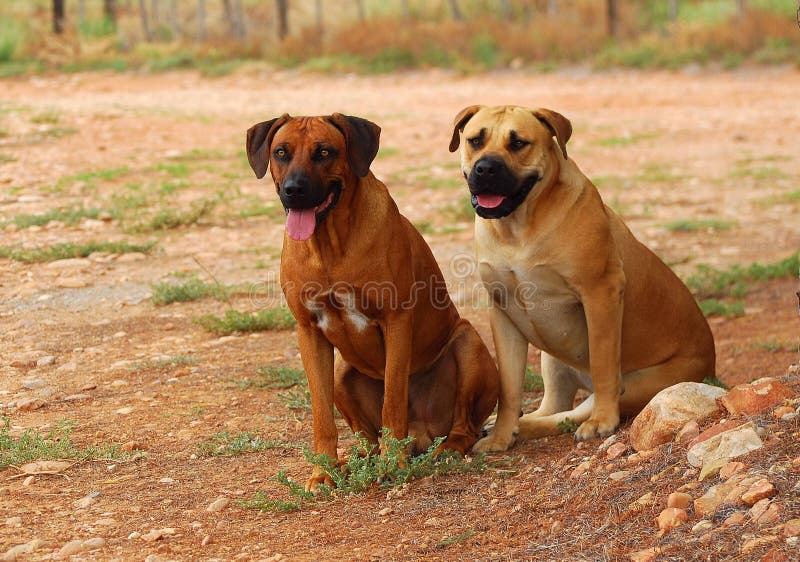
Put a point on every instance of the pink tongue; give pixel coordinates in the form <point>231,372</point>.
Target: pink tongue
<point>490,200</point>
<point>300,223</point>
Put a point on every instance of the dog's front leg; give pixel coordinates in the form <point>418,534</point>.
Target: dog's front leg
<point>603,307</point>
<point>317,355</point>
<point>512,354</point>
<point>397,339</point>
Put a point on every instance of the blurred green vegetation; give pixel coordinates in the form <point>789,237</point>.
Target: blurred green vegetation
<point>393,35</point>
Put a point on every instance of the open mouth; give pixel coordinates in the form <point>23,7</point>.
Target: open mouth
<point>301,223</point>
<point>490,205</point>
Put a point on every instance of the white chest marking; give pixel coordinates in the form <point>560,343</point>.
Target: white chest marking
<point>357,318</point>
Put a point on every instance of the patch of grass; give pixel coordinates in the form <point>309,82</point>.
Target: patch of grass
<point>179,170</point>
<point>609,182</point>
<point>169,187</point>
<point>710,282</point>
<point>296,399</point>
<point>56,132</point>
<point>567,425</point>
<point>191,289</point>
<point>625,140</point>
<point>424,227</point>
<point>68,216</point>
<point>270,210</point>
<point>167,219</point>
<point>455,539</point>
<point>224,444</point>
<point>780,199</point>
<point>4,158</point>
<point>163,364</point>
<point>658,173</point>
<point>366,467</point>
<point>775,345</point>
<point>387,151</point>
<point>693,225</point>
<point>716,307</point>
<point>199,154</point>
<point>32,446</point>
<point>714,381</point>
<point>47,117</point>
<point>462,211</point>
<point>70,250</point>
<point>235,321</point>
<point>533,380</point>
<point>90,178</point>
<point>759,173</point>
<point>275,377</point>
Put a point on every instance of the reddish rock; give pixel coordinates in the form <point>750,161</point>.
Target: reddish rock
<point>679,499</point>
<point>670,410</point>
<point>759,490</point>
<point>791,528</point>
<point>726,444</point>
<point>734,520</point>
<point>688,432</point>
<point>646,555</point>
<point>731,468</point>
<point>766,512</point>
<point>670,518</point>
<point>755,397</point>
<point>781,411</point>
<point>616,450</point>
<point>775,555</point>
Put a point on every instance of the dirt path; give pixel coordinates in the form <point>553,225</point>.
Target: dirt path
<point>148,152</point>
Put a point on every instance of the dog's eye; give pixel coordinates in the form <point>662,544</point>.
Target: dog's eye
<point>324,152</point>
<point>519,144</point>
<point>280,153</point>
<point>475,141</point>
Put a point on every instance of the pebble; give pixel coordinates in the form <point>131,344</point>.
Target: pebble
<point>646,555</point>
<point>156,534</point>
<point>754,543</point>
<point>766,512</point>
<point>734,520</point>
<point>670,518</point>
<point>131,257</point>
<point>385,511</point>
<point>70,548</point>
<point>125,411</point>
<point>29,480</point>
<point>218,504</point>
<point>679,499</point>
<point>106,522</point>
<point>76,397</point>
<point>703,525</point>
<point>131,446</point>
<point>14,552</point>
<point>761,489</point>
<point>30,404</point>
<point>32,383</point>
<point>69,263</point>
<point>729,469</point>
<point>206,540</point>
<point>791,528</point>
<point>85,501</point>
<point>619,475</point>
<point>17,522</point>
<point>616,450</point>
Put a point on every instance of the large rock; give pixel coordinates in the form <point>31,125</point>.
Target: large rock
<point>756,397</point>
<point>670,410</point>
<point>727,445</point>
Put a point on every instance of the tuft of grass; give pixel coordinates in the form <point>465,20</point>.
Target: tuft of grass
<point>224,444</point>
<point>714,381</point>
<point>658,173</point>
<point>296,399</point>
<point>366,467</point>
<point>455,539</point>
<point>625,140</point>
<point>163,364</point>
<point>711,282</point>
<point>5,158</point>
<point>568,425</point>
<point>780,199</point>
<point>463,211</point>
<point>533,380</point>
<point>167,219</point>
<point>692,225</point>
<point>69,216</point>
<point>275,377</point>
<point>70,250</point>
<point>716,307</point>
<point>424,227</point>
<point>89,178</point>
<point>177,170</point>
<point>759,173</point>
<point>55,444</point>
<point>191,289</point>
<point>235,321</point>
<point>774,345</point>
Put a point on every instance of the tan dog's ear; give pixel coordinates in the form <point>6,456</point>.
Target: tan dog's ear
<point>559,126</point>
<point>362,138</point>
<point>259,137</point>
<point>460,122</point>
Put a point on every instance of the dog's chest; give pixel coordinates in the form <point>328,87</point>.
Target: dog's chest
<point>541,305</point>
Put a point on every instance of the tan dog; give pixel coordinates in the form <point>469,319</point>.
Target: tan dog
<point>358,277</point>
<point>565,274</point>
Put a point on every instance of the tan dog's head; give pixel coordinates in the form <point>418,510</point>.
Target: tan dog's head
<point>312,159</point>
<point>506,151</point>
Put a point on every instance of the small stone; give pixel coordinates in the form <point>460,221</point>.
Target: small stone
<point>734,520</point>
<point>131,446</point>
<point>70,548</point>
<point>15,552</point>
<point>70,283</point>
<point>725,445</point>
<point>106,522</point>
<point>125,411</point>
<point>688,432</point>
<point>766,512</point>
<point>131,257</point>
<point>69,263</point>
<point>701,526</point>
<point>432,522</point>
<point>32,383</point>
<point>646,555</point>
<point>218,505</point>
<point>14,522</point>
<point>206,540</point>
<point>620,475</point>
<point>76,397</point>
<point>755,397</point>
<point>616,450</point>
<point>679,499</point>
<point>158,534</point>
<point>731,468</point>
<point>644,501</point>
<point>30,404</point>
<point>670,518</point>
<point>45,361</point>
<point>791,528</point>
<point>134,535</point>
<point>781,411</point>
<point>581,469</point>
<point>385,511</point>
<point>94,543</point>
<point>774,555</point>
<point>85,501</point>
<point>711,468</point>
<point>29,480</point>
<point>610,440</point>
<point>758,491</point>
<point>167,480</point>
<point>757,542</point>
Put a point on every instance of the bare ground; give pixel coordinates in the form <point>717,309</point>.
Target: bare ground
<point>662,147</point>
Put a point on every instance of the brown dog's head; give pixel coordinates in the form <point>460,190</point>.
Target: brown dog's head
<point>506,151</point>
<point>312,159</point>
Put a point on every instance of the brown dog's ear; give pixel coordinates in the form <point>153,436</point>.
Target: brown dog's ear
<point>460,122</point>
<point>259,137</point>
<point>362,138</point>
<point>559,126</point>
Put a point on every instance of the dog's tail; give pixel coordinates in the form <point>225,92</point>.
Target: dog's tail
<point>532,426</point>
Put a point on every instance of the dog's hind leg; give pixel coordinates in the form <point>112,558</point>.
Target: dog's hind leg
<point>561,382</point>
<point>532,426</point>
<point>358,398</point>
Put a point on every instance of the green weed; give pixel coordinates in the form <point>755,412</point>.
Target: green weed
<point>163,364</point>
<point>625,140</point>
<point>716,307</point>
<point>714,381</point>
<point>693,225</point>
<point>781,199</point>
<point>235,321</point>
<point>567,425</point>
<point>296,399</point>
<point>224,444</point>
<point>455,539</point>
<point>709,281</point>
<point>167,219</point>
<point>191,289</point>
<point>67,216</point>
<point>533,380</point>
<point>275,377</point>
<point>70,250</point>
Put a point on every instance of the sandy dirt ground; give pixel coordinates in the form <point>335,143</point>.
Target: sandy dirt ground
<point>82,342</point>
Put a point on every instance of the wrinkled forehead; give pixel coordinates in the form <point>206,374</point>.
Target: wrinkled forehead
<point>500,122</point>
<point>309,131</point>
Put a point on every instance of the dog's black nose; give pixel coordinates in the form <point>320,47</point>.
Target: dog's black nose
<point>487,166</point>
<point>295,187</point>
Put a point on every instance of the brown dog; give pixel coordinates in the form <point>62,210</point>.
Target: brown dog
<point>565,274</point>
<point>359,278</point>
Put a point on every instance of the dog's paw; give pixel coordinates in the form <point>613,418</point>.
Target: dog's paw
<point>593,428</point>
<point>318,478</point>
<point>494,443</point>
